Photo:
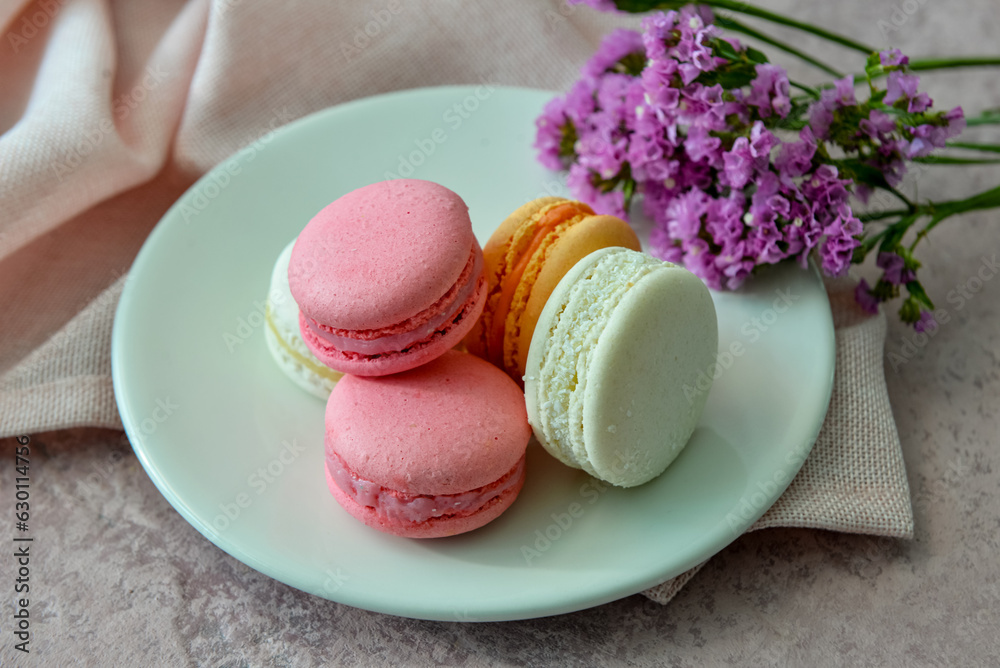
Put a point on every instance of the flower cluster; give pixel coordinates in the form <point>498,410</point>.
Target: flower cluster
<point>893,126</point>
<point>734,170</point>
<point>681,113</point>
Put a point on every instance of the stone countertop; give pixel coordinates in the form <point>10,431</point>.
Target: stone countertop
<point>119,578</point>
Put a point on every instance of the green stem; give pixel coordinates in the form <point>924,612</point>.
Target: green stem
<point>988,117</point>
<point>902,198</point>
<point>750,10</point>
<point>808,90</point>
<point>931,64</point>
<point>927,64</point>
<point>882,215</point>
<point>949,160</point>
<point>637,6</point>
<point>973,146</point>
<point>988,199</point>
<point>736,26</point>
<point>868,243</point>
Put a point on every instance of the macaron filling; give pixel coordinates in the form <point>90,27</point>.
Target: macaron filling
<point>446,311</point>
<point>418,508</point>
<point>281,340</point>
<point>549,221</point>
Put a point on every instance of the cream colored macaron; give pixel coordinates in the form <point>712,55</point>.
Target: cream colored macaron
<point>284,339</point>
<point>617,342</point>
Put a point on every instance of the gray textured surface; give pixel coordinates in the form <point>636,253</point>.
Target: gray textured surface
<point>119,578</point>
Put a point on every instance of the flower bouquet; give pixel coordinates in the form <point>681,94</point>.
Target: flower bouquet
<point>739,166</point>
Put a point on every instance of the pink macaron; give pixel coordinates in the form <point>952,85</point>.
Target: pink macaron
<point>387,277</point>
<point>435,451</point>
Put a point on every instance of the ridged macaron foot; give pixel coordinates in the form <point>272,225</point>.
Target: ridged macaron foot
<point>387,277</point>
<point>284,339</point>
<point>615,355</point>
<point>525,258</point>
<point>435,451</point>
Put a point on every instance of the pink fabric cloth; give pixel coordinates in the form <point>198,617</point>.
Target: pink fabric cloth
<point>109,110</point>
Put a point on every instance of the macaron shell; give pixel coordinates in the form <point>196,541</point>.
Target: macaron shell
<point>295,360</point>
<point>494,260</point>
<point>573,315</point>
<point>643,377</point>
<point>449,426</point>
<point>614,365</point>
<point>573,244</point>
<point>434,528</point>
<point>381,254</point>
<point>415,356</point>
<point>284,340</point>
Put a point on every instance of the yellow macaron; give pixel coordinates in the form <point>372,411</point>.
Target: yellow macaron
<point>525,258</point>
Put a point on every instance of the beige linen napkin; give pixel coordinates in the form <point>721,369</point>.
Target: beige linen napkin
<point>854,479</point>
<point>111,109</point>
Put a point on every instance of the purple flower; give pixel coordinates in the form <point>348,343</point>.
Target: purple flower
<point>864,297</point>
<point>738,164</point>
<point>956,120</point>
<point>699,260</point>
<point>702,146</point>
<point>684,214</point>
<point>795,158</point>
<point>939,135</point>
<point>733,265</point>
<point>826,192</point>
<point>548,137</point>
<point>844,89</point>
<point>763,240</point>
<point>925,138</point>
<point>696,175</point>
<point>657,31</point>
<point>889,160</point>
<point>837,251</point>
<point>878,124</point>
<point>901,86</point>
<point>724,220</point>
<point>892,58</point>
<point>656,199</point>
<point>821,113</point>
<point>762,141</point>
<point>920,102</point>
<point>920,144</point>
<point>558,125</point>
<point>657,82</point>
<point>616,46</point>
<point>769,91</point>
<point>925,322</point>
<point>581,184</point>
<point>894,269</point>
<point>665,248</point>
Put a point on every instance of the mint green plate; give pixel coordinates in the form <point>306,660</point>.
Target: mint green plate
<point>237,449</point>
